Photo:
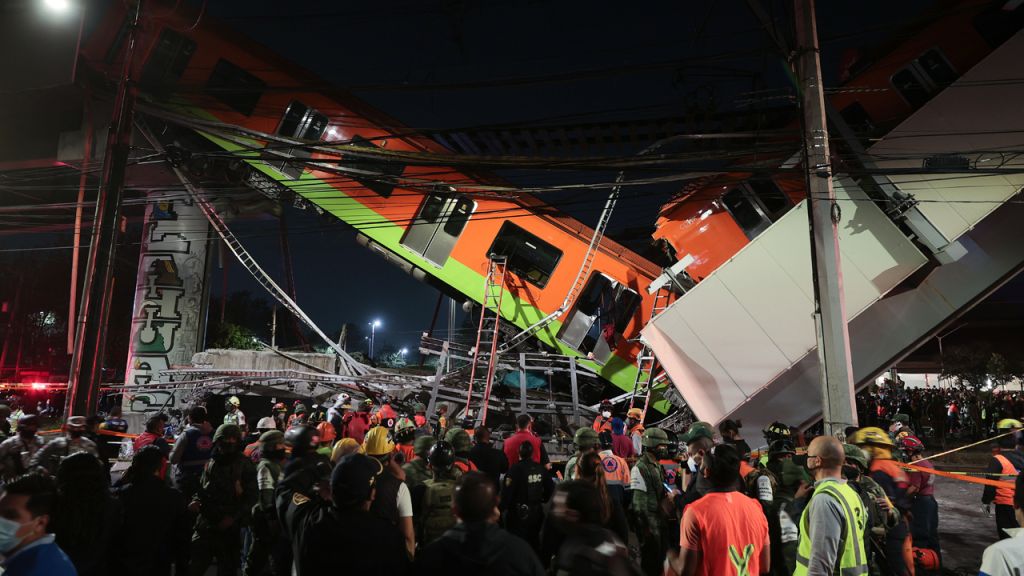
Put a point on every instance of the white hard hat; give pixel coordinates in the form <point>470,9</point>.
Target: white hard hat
<point>266,423</point>
<point>234,401</point>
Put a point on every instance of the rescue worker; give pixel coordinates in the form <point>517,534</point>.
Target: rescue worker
<point>416,470</point>
<point>252,451</point>
<point>833,522</point>
<point>17,451</point>
<point>420,419</point>
<point>730,431</point>
<point>1005,557</point>
<point>385,415</point>
<point>1008,463</point>
<point>461,444</point>
<point>603,421</point>
<point>524,433</point>
<point>73,441</point>
<point>325,433</point>
<point>227,493</point>
<point>343,448</point>
<point>266,531</point>
<point>360,422</point>
<point>650,501</point>
<point>234,413</point>
<point>527,487</point>
<point>635,429</point>
<point>774,432</point>
<point>299,416</point>
<point>154,435</point>
<point>192,450</point>
<point>280,414</point>
<point>924,519</point>
<point>891,477</point>
<point>405,433</point>
<point>337,412</point>
<point>442,421</point>
<point>432,500</point>
<point>789,477</point>
<point>881,514</point>
<point>622,446</point>
<point>585,440</point>
<point>486,457</point>
<point>616,470</point>
<point>393,501</point>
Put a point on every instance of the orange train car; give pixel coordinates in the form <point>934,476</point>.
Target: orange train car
<point>711,220</point>
<point>193,66</point>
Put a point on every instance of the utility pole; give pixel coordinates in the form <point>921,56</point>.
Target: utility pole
<point>91,330</point>
<point>273,327</point>
<point>838,405</point>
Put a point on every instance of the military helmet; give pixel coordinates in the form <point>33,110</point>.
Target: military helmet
<point>422,445</point>
<point>419,407</point>
<point>225,431</point>
<point>585,438</point>
<point>856,455</point>
<point>300,408</point>
<point>871,435</point>
<point>459,439</point>
<point>441,456</point>
<point>404,429</point>
<point>654,437</point>
<point>272,437</point>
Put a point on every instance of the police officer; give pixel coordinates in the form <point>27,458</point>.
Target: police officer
<point>585,440</point>
<point>416,470</point>
<point>651,499</point>
<point>432,500</point>
<point>227,493</point>
<point>527,487</point>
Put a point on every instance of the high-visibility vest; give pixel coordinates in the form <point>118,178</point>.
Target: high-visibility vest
<point>1005,495</point>
<point>852,556</point>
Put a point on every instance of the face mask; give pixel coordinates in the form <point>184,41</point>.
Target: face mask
<point>26,433</point>
<point>75,433</point>
<point>606,414</point>
<point>851,472</point>
<point>9,539</point>
<point>227,448</point>
<point>661,451</point>
<point>274,454</point>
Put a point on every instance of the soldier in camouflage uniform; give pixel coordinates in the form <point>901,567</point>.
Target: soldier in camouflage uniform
<point>586,440</point>
<point>227,493</point>
<point>416,470</point>
<point>651,500</point>
<point>882,515</point>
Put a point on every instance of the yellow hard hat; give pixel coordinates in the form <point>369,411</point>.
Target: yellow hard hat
<point>343,448</point>
<point>635,413</point>
<point>1009,424</point>
<point>871,435</point>
<point>377,442</point>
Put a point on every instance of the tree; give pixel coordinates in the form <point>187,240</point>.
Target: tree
<point>978,367</point>
<point>234,337</point>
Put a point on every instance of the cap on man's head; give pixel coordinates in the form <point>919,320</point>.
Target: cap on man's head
<point>353,479</point>
<point>76,422</point>
<point>698,430</point>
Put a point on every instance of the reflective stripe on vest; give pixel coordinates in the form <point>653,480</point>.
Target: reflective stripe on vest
<point>1005,495</point>
<point>852,560</point>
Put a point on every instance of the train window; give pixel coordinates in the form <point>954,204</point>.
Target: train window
<point>385,170</point>
<point>233,86</point>
<point>459,216</point>
<point>924,77</point>
<point>747,214</point>
<point>168,60</point>
<point>773,200</point>
<point>601,313</point>
<point>304,123</point>
<point>432,208</point>
<point>934,64</point>
<point>911,87</point>
<point>531,258</point>
<point>857,119</point>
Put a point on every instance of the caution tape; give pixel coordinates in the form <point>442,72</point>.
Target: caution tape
<point>962,476</point>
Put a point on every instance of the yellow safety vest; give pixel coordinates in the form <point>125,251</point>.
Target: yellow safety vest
<point>852,556</point>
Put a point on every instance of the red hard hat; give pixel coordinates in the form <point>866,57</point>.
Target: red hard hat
<point>926,558</point>
<point>911,444</point>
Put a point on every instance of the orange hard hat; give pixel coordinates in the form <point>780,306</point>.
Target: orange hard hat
<point>326,432</point>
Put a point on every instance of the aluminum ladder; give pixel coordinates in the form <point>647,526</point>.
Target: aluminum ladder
<point>646,362</point>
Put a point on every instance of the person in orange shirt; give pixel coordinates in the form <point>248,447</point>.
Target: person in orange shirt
<point>724,533</point>
<point>604,417</point>
<point>405,433</point>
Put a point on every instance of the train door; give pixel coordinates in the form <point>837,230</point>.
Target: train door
<point>304,123</point>
<point>599,316</point>
<point>438,225</point>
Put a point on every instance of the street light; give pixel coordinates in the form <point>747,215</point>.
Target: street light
<point>59,6</point>
<point>373,330</point>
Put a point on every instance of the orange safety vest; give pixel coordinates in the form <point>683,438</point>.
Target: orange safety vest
<point>637,429</point>
<point>745,469</point>
<point>616,471</point>
<point>465,465</point>
<point>601,424</point>
<point>890,467</point>
<point>1005,495</point>
<point>407,450</point>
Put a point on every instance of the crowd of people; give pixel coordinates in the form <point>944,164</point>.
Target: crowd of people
<point>367,489</point>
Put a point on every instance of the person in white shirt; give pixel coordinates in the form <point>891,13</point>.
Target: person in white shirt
<point>1005,558</point>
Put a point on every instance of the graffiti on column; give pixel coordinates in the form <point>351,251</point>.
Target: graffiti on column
<point>168,299</point>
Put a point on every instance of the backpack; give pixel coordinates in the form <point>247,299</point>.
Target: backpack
<point>436,510</point>
<point>609,558</point>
